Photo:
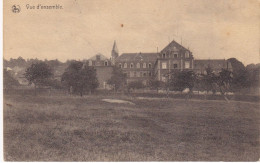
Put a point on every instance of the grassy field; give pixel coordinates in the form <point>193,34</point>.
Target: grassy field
<point>66,128</point>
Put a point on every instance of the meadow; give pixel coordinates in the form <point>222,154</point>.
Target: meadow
<point>72,128</point>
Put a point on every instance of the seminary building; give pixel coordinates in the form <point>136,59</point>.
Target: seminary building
<point>144,66</point>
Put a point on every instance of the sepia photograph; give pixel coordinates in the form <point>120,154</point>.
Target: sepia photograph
<point>131,80</point>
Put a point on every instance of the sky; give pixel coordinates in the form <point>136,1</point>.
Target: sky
<point>210,29</point>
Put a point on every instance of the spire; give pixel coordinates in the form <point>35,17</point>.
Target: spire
<point>115,47</point>
<point>114,53</point>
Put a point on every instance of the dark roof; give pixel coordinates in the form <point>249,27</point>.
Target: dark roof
<point>137,57</point>
<point>214,63</point>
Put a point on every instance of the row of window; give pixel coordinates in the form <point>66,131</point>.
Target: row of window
<point>138,74</point>
<point>97,63</point>
<point>138,65</point>
<point>175,55</point>
<point>186,65</point>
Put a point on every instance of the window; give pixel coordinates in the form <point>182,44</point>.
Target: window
<point>150,74</point>
<point>125,65</point>
<point>104,84</point>
<point>164,65</point>
<point>149,65</point>
<point>175,65</point>
<point>187,64</point>
<point>144,74</point>
<point>144,65</point>
<point>131,65</point>
<point>106,63</point>
<point>138,65</point>
<point>120,65</point>
<point>137,74</point>
<point>163,55</point>
<point>163,78</point>
<point>187,54</point>
<point>175,55</point>
<point>131,74</point>
<point>167,54</point>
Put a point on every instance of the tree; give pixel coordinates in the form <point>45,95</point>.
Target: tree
<point>118,79</point>
<point>209,80</point>
<point>39,74</point>
<point>156,84</point>
<point>224,80</point>
<point>179,80</point>
<point>79,77</point>
<point>240,76</point>
<point>254,76</point>
<point>9,81</point>
<point>135,85</point>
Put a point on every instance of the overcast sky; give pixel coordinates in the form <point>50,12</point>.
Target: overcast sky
<point>212,29</point>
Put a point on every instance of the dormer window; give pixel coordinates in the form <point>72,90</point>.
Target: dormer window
<point>120,65</point>
<point>149,65</point>
<point>106,63</point>
<point>131,65</point>
<point>175,55</point>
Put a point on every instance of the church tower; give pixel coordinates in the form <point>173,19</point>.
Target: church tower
<point>114,53</point>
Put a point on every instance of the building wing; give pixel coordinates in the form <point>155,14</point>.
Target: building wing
<point>131,57</point>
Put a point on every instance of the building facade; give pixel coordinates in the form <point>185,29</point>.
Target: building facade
<point>137,66</point>
<point>173,57</point>
<point>216,65</point>
<point>145,66</point>
<point>104,68</point>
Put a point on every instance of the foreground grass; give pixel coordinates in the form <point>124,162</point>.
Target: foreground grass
<point>63,128</point>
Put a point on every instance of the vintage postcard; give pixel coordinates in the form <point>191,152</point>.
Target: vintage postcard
<point>131,80</point>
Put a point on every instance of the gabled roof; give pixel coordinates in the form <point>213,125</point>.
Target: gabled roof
<point>137,57</point>
<point>174,46</point>
<point>102,57</point>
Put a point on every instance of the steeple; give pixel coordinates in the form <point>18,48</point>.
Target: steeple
<point>115,48</point>
<point>114,53</point>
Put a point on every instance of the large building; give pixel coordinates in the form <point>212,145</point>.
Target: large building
<point>144,66</point>
<point>103,67</point>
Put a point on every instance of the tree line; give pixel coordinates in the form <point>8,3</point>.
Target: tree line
<point>79,78</point>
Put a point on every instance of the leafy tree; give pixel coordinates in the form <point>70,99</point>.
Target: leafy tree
<point>240,76</point>
<point>240,80</point>
<point>53,63</point>
<point>39,74</point>
<point>9,81</point>
<point>209,80</point>
<point>224,81</point>
<point>118,79</point>
<point>156,84</point>
<point>81,78</point>
<point>135,85</point>
<point>180,80</point>
<point>253,75</point>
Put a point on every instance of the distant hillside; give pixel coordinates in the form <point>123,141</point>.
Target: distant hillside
<point>17,67</point>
